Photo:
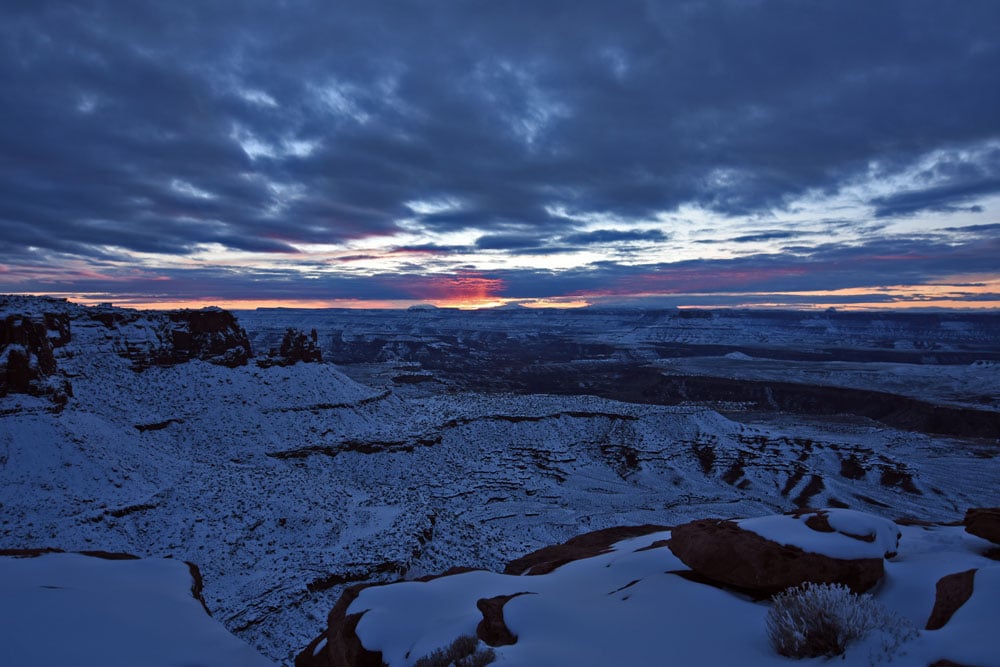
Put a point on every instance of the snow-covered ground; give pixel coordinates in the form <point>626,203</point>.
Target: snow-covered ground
<point>284,484</point>
<point>69,609</point>
<point>627,607</point>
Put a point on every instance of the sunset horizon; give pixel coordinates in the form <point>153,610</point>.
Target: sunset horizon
<point>734,154</point>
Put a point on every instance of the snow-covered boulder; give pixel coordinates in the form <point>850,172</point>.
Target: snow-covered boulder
<point>73,609</point>
<point>767,555</point>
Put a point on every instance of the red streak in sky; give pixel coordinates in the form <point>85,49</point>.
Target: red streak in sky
<point>466,289</point>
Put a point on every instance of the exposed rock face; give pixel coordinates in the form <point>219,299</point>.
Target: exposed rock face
<point>493,629</point>
<point>724,553</point>
<point>27,362</point>
<point>983,522</point>
<point>210,334</point>
<point>595,543</point>
<point>952,592</point>
<point>340,646</point>
<point>296,346</point>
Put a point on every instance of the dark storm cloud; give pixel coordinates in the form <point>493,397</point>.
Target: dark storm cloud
<point>952,183</point>
<point>602,236</point>
<point>155,127</point>
<point>766,236</point>
<point>993,228</point>
<point>948,199</point>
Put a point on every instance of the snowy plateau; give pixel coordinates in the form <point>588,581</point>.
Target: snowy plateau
<point>291,455</point>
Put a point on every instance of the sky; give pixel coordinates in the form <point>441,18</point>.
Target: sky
<point>771,153</point>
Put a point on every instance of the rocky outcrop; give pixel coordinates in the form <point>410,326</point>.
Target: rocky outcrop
<point>340,646</point>
<point>723,553</point>
<point>296,346</point>
<point>821,546</point>
<point>983,522</point>
<point>952,592</point>
<point>209,334</point>
<point>583,546</point>
<point>27,362</point>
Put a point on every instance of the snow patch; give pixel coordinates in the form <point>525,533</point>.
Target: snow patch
<point>856,534</point>
<point>110,613</point>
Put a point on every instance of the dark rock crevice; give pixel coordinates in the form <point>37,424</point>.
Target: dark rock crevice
<point>951,592</point>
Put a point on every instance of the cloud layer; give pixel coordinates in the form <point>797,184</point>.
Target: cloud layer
<point>649,145</point>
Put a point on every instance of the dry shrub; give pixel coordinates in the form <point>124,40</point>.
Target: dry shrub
<point>822,619</point>
<point>463,652</point>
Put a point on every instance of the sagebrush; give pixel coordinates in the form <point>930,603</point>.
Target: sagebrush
<point>463,652</point>
<point>822,619</point>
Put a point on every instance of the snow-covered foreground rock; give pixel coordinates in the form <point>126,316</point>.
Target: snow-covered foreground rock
<point>636,603</point>
<point>156,434</point>
<point>72,609</point>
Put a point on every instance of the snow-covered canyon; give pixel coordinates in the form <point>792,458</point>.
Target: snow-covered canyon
<point>444,439</point>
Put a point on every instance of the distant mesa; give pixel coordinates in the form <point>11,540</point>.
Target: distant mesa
<point>513,305</point>
<point>423,306</point>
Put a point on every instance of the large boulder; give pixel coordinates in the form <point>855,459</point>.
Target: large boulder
<point>768,555</point>
<point>983,522</point>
